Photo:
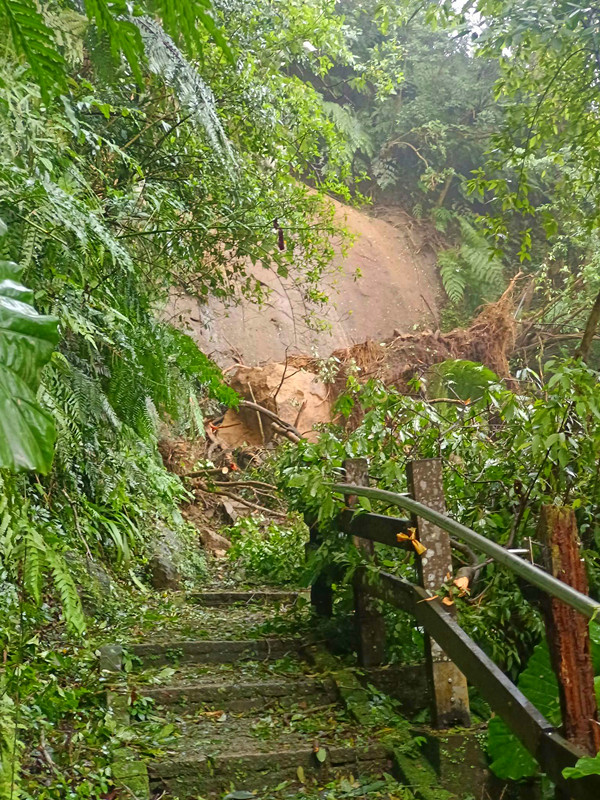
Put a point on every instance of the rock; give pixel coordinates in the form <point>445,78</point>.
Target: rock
<point>213,542</point>
<point>163,572</point>
<point>110,658</point>
<point>233,510</point>
<point>130,775</point>
<point>99,577</point>
<point>168,553</point>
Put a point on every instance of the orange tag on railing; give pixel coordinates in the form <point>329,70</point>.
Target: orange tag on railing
<point>412,537</point>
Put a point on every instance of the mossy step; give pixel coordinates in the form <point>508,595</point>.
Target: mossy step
<point>201,775</point>
<point>242,695</point>
<point>221,598</point>
<point>211,651</point>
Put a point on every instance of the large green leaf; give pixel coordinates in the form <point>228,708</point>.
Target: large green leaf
<point>27,340</point>
<point>510,760</point>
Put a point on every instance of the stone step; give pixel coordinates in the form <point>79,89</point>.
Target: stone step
<point>222,651</point>
<point>242,696</point>
<point>200,775</point>
<point>221,598</point>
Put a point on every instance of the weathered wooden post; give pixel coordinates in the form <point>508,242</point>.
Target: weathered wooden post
<point>370,625</point>
<point>450,697</point>
<point>321,592</point>
<point>568,632</point>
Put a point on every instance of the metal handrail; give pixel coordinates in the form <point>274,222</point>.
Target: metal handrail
<point>536,576</point>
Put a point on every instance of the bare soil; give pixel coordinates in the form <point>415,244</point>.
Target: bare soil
<point>387,282</point>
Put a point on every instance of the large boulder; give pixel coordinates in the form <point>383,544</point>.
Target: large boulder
<point>167,554</point>
<point>295,395</point>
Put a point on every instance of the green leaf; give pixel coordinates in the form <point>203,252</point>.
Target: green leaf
<point>321,754</point>
<point>365,503</point>
<point>35,41</point>
<point>585,766</point>
<point>510,760</point>
<point>27,340</point>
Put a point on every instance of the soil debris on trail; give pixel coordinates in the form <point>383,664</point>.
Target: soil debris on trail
<point>302,390</point>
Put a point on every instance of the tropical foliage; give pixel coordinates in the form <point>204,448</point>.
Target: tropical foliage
<point>149,149</point>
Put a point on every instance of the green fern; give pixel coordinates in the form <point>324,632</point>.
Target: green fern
<point>35,551</point>
<point>10,746</point>
<point>349,124</point>
<point>485,267</point>
<point>35,41</point>
<point>67,590</point>
<point>474,265</point>
<point>184,18</point>
<point>454,279</point>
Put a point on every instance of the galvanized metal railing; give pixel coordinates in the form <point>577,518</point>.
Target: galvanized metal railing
<point>534,575</point>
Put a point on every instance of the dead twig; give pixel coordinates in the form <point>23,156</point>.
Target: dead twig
<point>272,416</point>
<point>244,502</point>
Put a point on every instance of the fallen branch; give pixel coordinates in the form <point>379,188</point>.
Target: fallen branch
<point>243,502</point>
<point>272,416</point>
<point>287,433</point>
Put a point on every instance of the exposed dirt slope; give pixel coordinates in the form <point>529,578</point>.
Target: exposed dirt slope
<point>397,290</point>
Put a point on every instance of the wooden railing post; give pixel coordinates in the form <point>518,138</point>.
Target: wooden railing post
<point>370,625</point>
<point>450,698</point>
<point>321,592</point>
<point>568,632</point>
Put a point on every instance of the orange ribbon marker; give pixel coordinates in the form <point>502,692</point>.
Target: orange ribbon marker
<point>412,537</point>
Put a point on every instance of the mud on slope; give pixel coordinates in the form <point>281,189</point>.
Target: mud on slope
<point>397,289</point>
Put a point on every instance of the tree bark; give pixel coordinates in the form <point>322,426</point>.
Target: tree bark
<point>583,351</point>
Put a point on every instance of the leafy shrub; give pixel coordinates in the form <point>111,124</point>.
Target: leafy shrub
<point>268,551</point>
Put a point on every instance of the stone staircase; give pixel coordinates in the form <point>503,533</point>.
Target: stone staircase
<point>244,714</point>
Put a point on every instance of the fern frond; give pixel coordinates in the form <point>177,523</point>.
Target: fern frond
<point>122,34</point>
<point>350,126</point>
<point>197,416</point>
<point>452,274</point>
<point>484,266</point>
<point>166,60</point>
<point>35,41</point>
<point>442,218</point>
<point>10,746</point>
<point>385,172</point>
<point>180,18</point>
<point>34,555</point>
<point>67,591</point>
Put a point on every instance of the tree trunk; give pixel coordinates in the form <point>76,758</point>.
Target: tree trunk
<point>583,351</point>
